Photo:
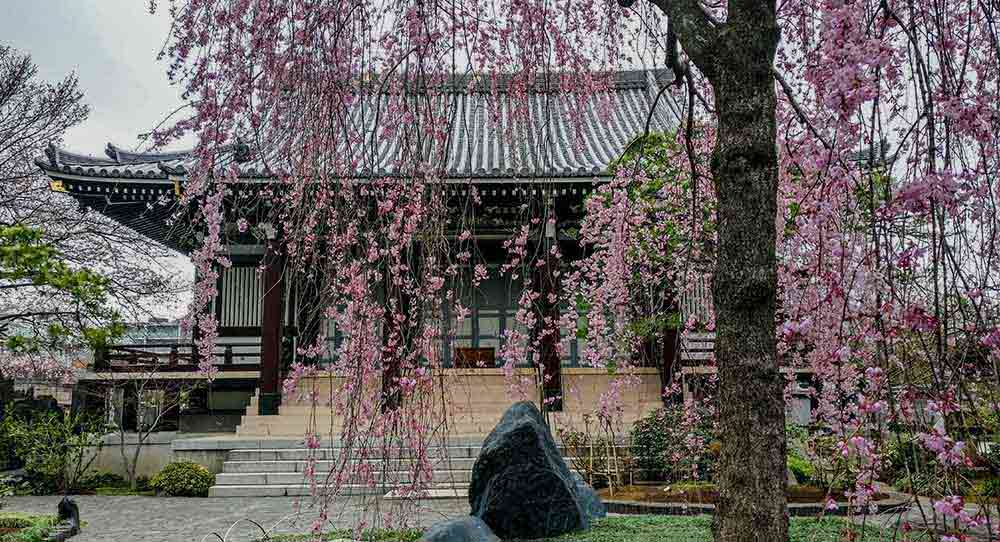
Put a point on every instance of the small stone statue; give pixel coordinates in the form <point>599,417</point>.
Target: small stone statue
<point>69,513</point>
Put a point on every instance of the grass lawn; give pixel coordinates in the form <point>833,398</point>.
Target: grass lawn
<point>30,528</point>
<point>643,529</point>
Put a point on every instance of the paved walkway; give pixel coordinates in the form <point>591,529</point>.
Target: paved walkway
<point>158,519</point>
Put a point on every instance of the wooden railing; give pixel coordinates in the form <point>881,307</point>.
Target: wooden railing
<point>176,357</point>
<point>696,299</point>
<point>697,348</point>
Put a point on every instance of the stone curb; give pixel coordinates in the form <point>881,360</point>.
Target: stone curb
<point>689,509</point>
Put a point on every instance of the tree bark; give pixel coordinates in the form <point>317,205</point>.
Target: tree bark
<point>752,473</point>
<point>737,57</point>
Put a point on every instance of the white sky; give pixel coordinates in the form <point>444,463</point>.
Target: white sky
<point>112,46</point>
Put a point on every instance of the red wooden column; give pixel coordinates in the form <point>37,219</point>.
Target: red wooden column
<point>548,286</point>
<point>401,333</point>
<point>270,334</point>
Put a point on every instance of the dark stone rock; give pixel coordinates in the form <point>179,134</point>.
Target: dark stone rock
<point>521,486</point>
<point>69,512</point>
<point>69,521</point>
<point>467,529</point>
<point>589,500</point>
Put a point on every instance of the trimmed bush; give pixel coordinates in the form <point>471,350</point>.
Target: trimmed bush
<point>675,443</point>
<point>798,460</point>
<point>907,463</point>
<point>989,489</point>
<point>802,469</point>
<point>183,479</point>
<point>56,448</point>
<point>94,480</point>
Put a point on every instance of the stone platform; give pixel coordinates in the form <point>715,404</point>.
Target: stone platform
<point>474,400</point>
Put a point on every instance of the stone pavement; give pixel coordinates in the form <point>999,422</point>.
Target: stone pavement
<point>161,519</point>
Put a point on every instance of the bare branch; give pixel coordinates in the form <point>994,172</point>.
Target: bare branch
<point>695,30</point>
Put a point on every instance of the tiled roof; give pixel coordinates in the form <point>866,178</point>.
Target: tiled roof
<point>478,147</point>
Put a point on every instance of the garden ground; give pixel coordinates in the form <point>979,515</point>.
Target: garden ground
<point>160,519</point>
<point>651,529</point>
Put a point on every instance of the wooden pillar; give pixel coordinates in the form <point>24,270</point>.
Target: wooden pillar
<point>392,355</point>
<point>309,314</point>
<point>548,287</point>
<point>270,334</point>
<point>668,359</point>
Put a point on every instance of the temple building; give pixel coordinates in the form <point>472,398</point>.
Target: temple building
<point>256,311</point>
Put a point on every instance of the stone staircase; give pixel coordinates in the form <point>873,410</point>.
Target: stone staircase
<point>266,456</point>
<point>276,468</point>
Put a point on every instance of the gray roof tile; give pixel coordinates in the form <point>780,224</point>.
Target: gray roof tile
<point>553,147</point>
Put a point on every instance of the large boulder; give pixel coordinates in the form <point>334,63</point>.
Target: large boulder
<point>521,486</point>
<point>467,529</point>
<point>589,500</point>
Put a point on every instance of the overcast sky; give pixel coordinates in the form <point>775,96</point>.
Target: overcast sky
<point>112,46</point>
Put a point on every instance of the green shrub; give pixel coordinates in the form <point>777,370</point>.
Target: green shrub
<point>675,443</point>
<point>991,457</point>
<point>989,489</point>
<point>32,528</point>
<point>650,443</point>
<point>907,463</point>
<point>8,457</point>
<point>831,470</point>
<point>798,460</point>
<point>93,480</point>
<point>183,479</point>
<point>57,449</point>
<point>802,469</point>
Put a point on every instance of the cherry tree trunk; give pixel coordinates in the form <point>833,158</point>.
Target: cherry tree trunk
<point>752,474</point>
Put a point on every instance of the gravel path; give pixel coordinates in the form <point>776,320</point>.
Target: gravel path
<point>158,519</point>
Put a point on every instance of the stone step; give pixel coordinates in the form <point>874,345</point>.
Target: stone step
<point>326,465</point>
<point>456,492</point>
<point>481,412</point>
<point>289,428</point>
<point>493,408</point>
<point>435,454</point>
<point>394,478</point>
<point>304,490</point>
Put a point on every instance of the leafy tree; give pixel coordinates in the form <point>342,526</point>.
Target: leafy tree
<point>64,266</point>
<point>57,449</point>
<point>69,307</point>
